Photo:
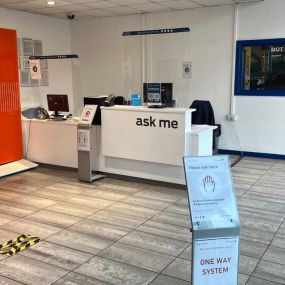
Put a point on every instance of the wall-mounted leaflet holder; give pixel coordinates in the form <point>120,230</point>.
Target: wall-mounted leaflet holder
<point>215,220</point>
<point>86,140</point>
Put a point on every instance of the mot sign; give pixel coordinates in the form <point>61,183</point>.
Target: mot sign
<point>215,221</point>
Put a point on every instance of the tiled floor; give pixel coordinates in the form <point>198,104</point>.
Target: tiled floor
<point>129,233</point>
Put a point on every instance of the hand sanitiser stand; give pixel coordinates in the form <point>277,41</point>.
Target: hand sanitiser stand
<point>86,140</point>
<point>215,221</point>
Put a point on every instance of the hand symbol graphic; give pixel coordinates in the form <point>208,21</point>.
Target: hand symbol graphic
<point>209,184</point>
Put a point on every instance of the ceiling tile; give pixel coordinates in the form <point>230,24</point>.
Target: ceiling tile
<point>152,7</point>
<point>131,2</point>
<point>102,8</point>
<point>214,2</point>
<point>181,4</point>
<point>101,4</point>
<point>122,10</point>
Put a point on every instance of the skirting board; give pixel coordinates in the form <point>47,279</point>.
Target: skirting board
<point>16,166</point>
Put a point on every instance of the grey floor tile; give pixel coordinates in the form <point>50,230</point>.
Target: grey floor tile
<point>53,194</point>
<point>80,241</point>
<point>115,272</point>
<point>174,219</point>
<point>119,188</point>
<point>30,271</point>
<point>133,210</point>
<point>275,254</point>
<point>71,209</point>
<point>22,188</point>
<point>77,279</point>
<point>138,257</point>
<point>53,218</point>
<point>155,243</point>
<point>14,209</point>
<point>148,193</point>
<point>117,219</point>
<point>187,253</point>
<point>179,209</point>
<point>4,219</point>
<point>65,187</point>
<point>57,255</point>
<point>279,239</point>
<point>99,229</point>
<point>252,249</point>
<point>265,189</point>
<point>34,201</point>
<point>167,280</point>
<point>24,226</point>
<point>89,202</point>
<point>33,181</point>
<point>258,281</point>
<point>6,281</point>
<point>242,279</point>
<point>179,268</point>
<point>123,182</point>
<point>270,271</point>
<point>255,235</point>
<point>166,230</point>
<point>105,194</point>
<point>247,264</point>
<point>147,202</point>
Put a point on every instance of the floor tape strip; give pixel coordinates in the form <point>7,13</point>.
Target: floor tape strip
<point>18,244</point>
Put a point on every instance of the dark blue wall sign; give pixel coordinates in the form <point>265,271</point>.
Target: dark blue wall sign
<point>260,68</point>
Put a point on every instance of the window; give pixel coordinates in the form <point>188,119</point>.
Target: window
<point>260,68</point>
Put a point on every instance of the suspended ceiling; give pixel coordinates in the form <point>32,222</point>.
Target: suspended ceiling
<point>92,8</point>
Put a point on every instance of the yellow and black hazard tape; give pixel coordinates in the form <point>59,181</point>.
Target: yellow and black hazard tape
<point>18,244</point>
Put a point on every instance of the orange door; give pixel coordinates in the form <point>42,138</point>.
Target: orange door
<point>10,111</point>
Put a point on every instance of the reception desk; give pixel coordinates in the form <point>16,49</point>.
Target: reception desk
<point>133,141</point>
<point>146,142</point>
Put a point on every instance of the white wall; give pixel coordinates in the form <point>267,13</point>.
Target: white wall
<point>260,120</point>
<point>56,38</point>
<point>101,47</point>
<point>260,124</point>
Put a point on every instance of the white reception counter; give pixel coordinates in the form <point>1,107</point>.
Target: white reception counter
<point>146,142</point>
<point>133,141</point>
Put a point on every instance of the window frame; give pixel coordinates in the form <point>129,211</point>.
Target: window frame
<point>239,72</point>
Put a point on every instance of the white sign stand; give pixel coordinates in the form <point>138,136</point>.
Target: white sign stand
<point>85,143</point>
<point>215,220</point>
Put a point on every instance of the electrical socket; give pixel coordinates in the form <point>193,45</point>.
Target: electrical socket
<point>230,117</point>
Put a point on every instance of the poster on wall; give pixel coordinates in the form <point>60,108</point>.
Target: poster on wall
<point>24,78</point>
<point>28,47</point>
<point>26,62</point>
<point>35,69</point>
<point>38,48</point>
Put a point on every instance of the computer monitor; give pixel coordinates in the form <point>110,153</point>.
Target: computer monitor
<point>99,101</point>
<point>57,103</point>
<point>166,91</point>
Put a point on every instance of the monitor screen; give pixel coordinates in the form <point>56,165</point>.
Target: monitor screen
<point>166,91</point>
<point>99,101</point>
<point>57,103</point>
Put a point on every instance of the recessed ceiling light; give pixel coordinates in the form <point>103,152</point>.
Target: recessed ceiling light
<point>50,3</point>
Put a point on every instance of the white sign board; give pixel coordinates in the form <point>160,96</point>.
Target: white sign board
<point>210,190</point>
<point>88,114</point>
<point>35,69</point>
<point>216,261</point>
<point>83,137</point>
